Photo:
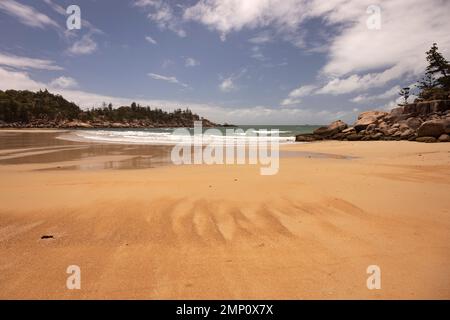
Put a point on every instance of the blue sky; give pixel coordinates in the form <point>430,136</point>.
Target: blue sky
<point>244,62</point>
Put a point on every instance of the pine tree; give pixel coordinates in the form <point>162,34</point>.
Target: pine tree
<point>437,63</point>
<point>436,82</point>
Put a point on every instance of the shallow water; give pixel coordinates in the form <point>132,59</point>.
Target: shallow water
<point>48,152</point>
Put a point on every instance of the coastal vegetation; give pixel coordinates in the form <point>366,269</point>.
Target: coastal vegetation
<point>44,109</point>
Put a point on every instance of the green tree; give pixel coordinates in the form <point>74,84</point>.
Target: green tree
<point>438,65</point>
<point>436,82</point>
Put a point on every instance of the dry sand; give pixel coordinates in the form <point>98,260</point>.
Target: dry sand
<point>213,232</point>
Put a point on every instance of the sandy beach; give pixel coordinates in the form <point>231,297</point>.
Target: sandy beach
<point>141,228</point>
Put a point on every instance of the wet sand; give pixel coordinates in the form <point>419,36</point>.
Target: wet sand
<point>43,150</point>
<point>155,231</point>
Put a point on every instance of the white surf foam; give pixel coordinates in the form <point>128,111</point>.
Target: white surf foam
<point>169,138</point>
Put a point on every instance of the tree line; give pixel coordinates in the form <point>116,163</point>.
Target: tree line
<point>27,106</point>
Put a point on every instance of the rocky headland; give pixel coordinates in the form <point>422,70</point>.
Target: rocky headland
<point>422,121</point>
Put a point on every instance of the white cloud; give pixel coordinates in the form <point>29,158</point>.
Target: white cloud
<point>302,91</point>
<point>64,83</point>
<point>408,29</point>
<point>167,79</point>
<point>163,15</point>
<point>56,7</point>
<point>18,80</point>
<point>227,85</point>
<point>290,101</point>
<point>191,62</point>
<point>27,63</point>
<point>295,95</point>
<point>261,38</point>
<point>366,81</point>
<point>227,16</point>
<point>86,45</point>
<point>151,40</point>
<point>27,14</point>
<point>358,58</point>
<point>385,95</point>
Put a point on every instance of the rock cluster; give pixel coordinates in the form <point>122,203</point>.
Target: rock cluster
<point>77,124</point>
<point>422,121</point>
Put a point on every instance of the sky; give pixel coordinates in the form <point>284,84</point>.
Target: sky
<point>235,61</point>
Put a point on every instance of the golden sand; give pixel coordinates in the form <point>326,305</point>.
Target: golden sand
<point>213,232</point>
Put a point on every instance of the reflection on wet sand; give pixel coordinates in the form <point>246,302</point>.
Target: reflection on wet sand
<point>22,148</point>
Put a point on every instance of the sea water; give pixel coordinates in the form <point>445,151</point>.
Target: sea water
<point>169,136</point>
